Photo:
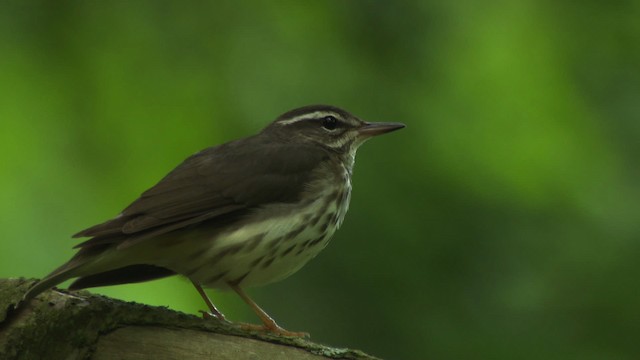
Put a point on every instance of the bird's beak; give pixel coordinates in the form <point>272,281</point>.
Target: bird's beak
<point>378,128</point>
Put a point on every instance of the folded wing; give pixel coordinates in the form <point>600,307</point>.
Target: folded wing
<point>227,180</point>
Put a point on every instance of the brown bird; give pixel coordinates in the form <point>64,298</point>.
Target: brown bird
<point>245,213</point>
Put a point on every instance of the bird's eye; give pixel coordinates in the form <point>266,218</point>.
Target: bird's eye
<point>329,122</point>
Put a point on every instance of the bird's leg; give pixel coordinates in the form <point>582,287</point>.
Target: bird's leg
<point>213,311</point>
<point>269,324</point>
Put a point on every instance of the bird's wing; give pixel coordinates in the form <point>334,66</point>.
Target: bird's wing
<point>217,181</point>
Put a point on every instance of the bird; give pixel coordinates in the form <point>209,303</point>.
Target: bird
<point>245,213</point>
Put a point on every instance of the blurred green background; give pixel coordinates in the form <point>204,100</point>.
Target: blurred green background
<point>503,222</point>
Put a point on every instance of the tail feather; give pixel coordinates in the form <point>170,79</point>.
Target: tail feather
<point>124,275</point>
<point>84,267</point>
<point>64,272</point>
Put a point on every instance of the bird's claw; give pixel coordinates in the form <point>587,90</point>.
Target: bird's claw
<point>277,330</point>
<point>208,316</point>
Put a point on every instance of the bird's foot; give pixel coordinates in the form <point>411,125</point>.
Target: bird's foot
<point>208,316</point>
<point>275,330</point>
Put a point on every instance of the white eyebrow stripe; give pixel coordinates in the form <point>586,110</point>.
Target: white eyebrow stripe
<point>316,115</point>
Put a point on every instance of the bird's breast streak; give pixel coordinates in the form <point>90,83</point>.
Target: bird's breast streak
<point>268,248</point>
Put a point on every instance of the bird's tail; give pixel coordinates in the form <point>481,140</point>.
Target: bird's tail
<point>75,267</point>
<point>93,266</point>
<point>62,273</point>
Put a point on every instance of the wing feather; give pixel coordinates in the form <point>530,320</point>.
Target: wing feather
<point>227,179</point>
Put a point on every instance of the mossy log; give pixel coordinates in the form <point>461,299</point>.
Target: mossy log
<point>80,325</point>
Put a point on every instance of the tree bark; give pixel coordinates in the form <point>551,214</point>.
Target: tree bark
<point>79,325</point>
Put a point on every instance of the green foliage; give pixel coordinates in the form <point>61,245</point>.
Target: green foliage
<point>502,223</point>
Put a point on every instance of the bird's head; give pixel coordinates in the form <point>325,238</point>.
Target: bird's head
<point>327,126</point>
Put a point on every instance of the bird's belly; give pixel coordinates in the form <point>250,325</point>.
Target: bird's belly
<point>256,257</point>
<point>265,250</point>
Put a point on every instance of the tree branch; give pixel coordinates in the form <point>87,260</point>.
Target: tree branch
<point>60,325</point>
